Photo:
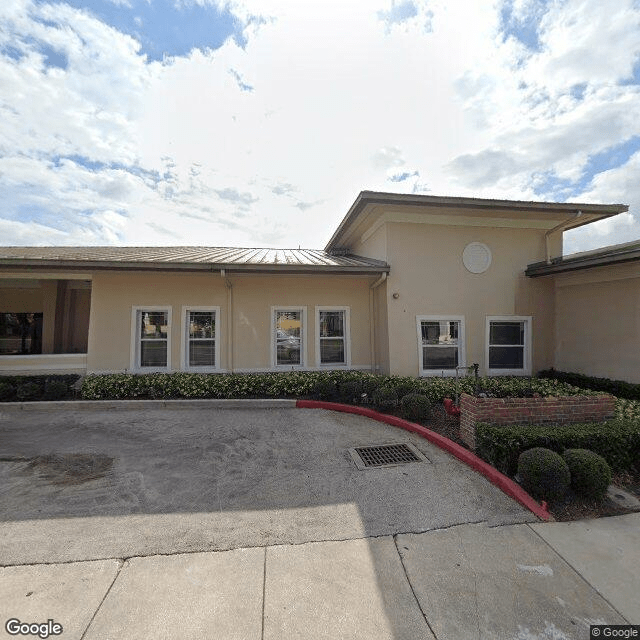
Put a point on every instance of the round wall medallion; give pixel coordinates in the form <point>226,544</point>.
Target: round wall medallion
<point>476,257</point>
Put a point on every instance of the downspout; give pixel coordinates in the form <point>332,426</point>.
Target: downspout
<point>577,214</point>
<point>227,283</point>
<point>372,334</point>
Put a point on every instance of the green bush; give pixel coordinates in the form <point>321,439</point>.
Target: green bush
<point>29,391</point>
<point>385,398</point>
<point>617,441</point>
<point>403,385</point>
<point>39,381</point>
<point>7,392</point>
<point>55,390</point>
<point>590,473</point>
<point>350,391</point>
<point>415,406</point>
<point>297,384</point>
<point>326,390</point>
<point>543,473</point>
<point>618,388</point>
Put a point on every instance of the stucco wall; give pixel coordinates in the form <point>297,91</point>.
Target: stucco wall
<point>598,322</point>
<point>429,278</point>
<point>115,293</point>
<point>374,245</point>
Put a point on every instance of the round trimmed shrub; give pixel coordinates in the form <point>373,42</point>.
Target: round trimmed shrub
<point>543,473</point>
<point>590,473</point>
<point>326,390</point>
<point>7,392</point>
<point>350,391</point>
<point>28,391</point>
<point>55,390</point>
<point>385,398</point>
<point>415,406</point>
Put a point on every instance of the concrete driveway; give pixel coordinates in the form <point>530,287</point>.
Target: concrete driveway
<point>202,479</point>
<point>203,522</point>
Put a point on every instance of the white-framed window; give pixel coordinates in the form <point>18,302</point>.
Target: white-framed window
<point>441,345</point>
<point>200,338</point>
<point>151,338</point>
<point>333,339</point>
<point>508,345</point>
<point>289,336</point>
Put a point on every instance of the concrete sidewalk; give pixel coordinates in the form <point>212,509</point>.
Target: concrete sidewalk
<point>525,581</point>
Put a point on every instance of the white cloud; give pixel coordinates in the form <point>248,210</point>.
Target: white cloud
<point>112,148</point>
<point>622,185</point>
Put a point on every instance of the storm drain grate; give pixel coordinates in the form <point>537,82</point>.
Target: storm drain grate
<point>385,454</point>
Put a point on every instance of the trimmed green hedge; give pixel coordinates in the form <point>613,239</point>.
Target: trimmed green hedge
<point>617,441</point>
<point>296,384</point>
<point>618,388</point>
<point>31,388</point>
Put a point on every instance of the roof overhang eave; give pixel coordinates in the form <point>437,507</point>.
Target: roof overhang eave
<point>540,269</point>
<point>292,269</point>
<point>595,211</point>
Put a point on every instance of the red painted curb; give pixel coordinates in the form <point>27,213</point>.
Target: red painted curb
<point>501,481</point>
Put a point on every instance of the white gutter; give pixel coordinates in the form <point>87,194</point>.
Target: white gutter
<point>577,214</point>
<point>372,334</point>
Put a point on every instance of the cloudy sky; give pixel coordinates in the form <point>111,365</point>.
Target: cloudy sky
<point>258,122</point>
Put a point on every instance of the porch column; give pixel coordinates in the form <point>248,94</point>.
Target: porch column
<point>49,299</point>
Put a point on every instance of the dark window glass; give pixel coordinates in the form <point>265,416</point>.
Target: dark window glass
<point>20,333</point>
<point>439,357</point>
<point>506,357</point>
<point>153,338</point>
<point>202,334</point>
<point>153,353</point>
<point>440,344</point>
<point>202,353</point>
<point>332,351</point>
<point>440,332</point>
<point>508,333</point>
<point>332,337</point>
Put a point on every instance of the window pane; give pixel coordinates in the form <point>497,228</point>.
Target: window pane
<point>288,337</point>
<point>332,351</point>
<point>439,357</point>
<point>154,325</point>
<point>289,323</point>
<point>202,353</point>
<point>331,324</point>
<point>20,333</point>
<point>506,357</point>
<point>202,324</point>
<point>440,332</point>
<point>288,353</point>
<point>506,333</point>
<point>153,353</point>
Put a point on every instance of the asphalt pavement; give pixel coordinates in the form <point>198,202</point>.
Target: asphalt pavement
<point>245,523</point>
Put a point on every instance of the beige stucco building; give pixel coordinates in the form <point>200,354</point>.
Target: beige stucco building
<point>408,284</point>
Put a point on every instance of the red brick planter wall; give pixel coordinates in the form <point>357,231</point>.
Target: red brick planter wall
<point>559,410</point>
